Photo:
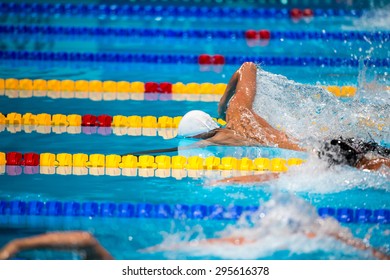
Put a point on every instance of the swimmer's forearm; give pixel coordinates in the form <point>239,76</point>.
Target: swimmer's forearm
<point>259,178</point>
<point>359,244</point>
<point>229,92</point>
<point>74,240</point>
<point>372,164</point>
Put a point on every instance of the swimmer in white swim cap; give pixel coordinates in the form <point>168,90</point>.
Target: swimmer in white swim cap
<point>196,123</point>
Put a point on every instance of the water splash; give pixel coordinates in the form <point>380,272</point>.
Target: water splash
<point>310,113</point>
<point>315,176</point>
<point>375,19</point>
<point>285,223</point>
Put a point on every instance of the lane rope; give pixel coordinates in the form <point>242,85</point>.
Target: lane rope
<point>141,11</point>
<point>147,161</point>
<point>72,31</point>
<point>116,90</point>
<point>112,96</point>
<point>178,174</point>
<point>165,133</point>
<point>88,120</point>
<point>190,59</point>
<point>176,211</point>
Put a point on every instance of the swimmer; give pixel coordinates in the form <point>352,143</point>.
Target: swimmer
<point>82,242</point>
<point>240,240</point>
<point>246,128</point>
<point>85,244</point>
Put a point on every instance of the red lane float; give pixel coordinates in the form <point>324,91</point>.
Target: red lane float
<point>218,59</point>
<point>29,159</point>
<point>104,121</point>
<point>151,87</point>
<point>264,34</point>
<point>88,120</point>
<point>257,38</point>
<point>205,59</point>
<point>14,158</point>
<point>166,87</point>
<point>307,13</point>
<point>296,13</point>
<point>251,35</point>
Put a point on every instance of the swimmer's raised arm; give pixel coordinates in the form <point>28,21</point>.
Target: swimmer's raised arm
<point>80,241</point>
<point>242,86</point>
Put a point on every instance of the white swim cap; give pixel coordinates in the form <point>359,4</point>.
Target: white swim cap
<point>196,122</point>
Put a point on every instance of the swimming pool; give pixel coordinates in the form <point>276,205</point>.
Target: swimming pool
<point>129,209</point>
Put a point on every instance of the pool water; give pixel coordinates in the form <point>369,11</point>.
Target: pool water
<point>288,204</point>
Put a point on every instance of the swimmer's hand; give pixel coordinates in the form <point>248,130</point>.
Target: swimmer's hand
<point>9,250</point>
<point>249,179</point>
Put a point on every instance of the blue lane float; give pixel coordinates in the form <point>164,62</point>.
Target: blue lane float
<point>190,34</point>
<point>166,211</point>
<point>188,59</point>
<point>100,10</point>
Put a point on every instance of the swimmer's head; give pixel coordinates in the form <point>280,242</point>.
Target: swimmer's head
<point>196,122</point>
<point>338,152</point>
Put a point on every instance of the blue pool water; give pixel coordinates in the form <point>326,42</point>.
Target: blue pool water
<point>288,203</point>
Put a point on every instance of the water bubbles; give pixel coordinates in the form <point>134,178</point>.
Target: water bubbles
<point>376,19</point>
<point>304,110</point>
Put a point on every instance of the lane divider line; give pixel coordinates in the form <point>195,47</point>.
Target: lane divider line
<point>178,174</point>
<point>141,11</point>
<point>97,86</point>
<point>189,59</point>
<point>116,90</point>
<point>147,161</point>
<point>167,211</point>
<point>251,34</point>
<point>165,133</point>
<point>112,96</point>
<point>88,120</point>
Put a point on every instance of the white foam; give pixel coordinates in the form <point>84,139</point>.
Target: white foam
<point>310,113</point>
<point>375,19</point>
<point>316,177</point>
<point>281,224</point>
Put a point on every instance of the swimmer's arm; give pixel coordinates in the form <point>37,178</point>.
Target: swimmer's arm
<point>259,178</point>
<point>373,164</point>
<point>229,92</point>
<point>243,86</point>
<point>73,240</point>
<point>211,241</point>
<point>359,244</point>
